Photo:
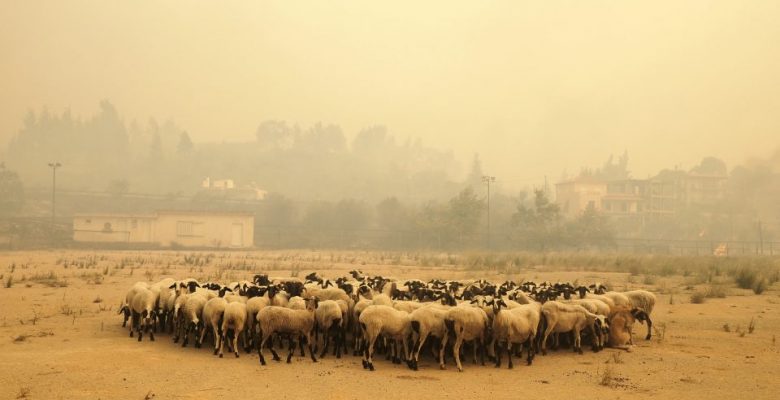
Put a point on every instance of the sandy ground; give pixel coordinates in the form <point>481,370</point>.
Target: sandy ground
<point>58,343</point>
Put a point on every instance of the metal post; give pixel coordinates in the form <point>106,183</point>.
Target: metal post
<point>488,179</point>
<point>54,166</point>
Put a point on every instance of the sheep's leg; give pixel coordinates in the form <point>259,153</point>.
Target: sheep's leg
<point>310,341</point>
<point>529,347</point>
<point>474,350</point>
<point>482,352</point>
<point>408,355</point>
<point>491,350</point>
<point>508,347</point>
<point>544,338</point>
<point>577,341</point>
<point>260,344</point>
<point>300,344</point>
<point>442,347</point>
<point>369,362</point>
<point>595,338</point>
<point>236,334</point>
<point>420,342</point>
<point>649,328</point>
<point>456,352</point>
<point>496,344</point>
<point>151,334</point>
<point>325,342</point>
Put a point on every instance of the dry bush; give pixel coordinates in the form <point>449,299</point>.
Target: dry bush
<point>716,291</point>
<point>760,286</point>
<point>607,377</point>
<point>726,327</point>
<point>698,297</point>
<point>9,282</point>
<point>752,325</point>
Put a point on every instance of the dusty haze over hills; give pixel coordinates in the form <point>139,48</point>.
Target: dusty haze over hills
<point>534,88</point>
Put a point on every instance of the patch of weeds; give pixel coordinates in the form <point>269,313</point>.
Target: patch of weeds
<point>24,391</point>
<point>607,377</point>
<point>760,286</point>
<point>726,327</point>
<point>698,297</point>
<point>9,282</point>
<point>97,300</point>
<point>752,325</point>
<point>716,291</point>
<point>659,331</point>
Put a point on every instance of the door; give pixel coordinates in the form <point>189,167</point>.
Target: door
<point>237,236</point>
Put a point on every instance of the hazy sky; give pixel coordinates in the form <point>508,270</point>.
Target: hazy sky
<point>534,87</point>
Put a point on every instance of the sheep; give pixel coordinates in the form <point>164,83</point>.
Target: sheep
<point>193,309</point>
<point>428,321</point>
<point>213,313</point>
<point>468,323</point>
<point>178,316</point>
<point>515,326</point>
<point>258,299</point>
<point>234,319</point>
<point>559,318</point>
<point>329,317</point>
<point>597,306</point>
<point>142,306</point>
<point>644,301</point>
<point>124,307</point>
<point>212,316</point>
<point>408,306</point>
<point>378,320</point>
<point>621,324</point>
<point>274,319</point>
<point>357,336</point>
<point>296,303</point>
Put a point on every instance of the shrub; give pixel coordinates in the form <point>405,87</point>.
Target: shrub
<point>9,281</point>
<point>716,291</point>
<point>698,297</point>
<point>760,286</point>
<point>746,278</point>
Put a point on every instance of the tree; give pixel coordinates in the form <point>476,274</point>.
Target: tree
<point>590,229</point>
<point>185,144</point>
<point>464,215</point>
<point>537,226</point>
<point>273,134</point>
<point>118,187</point>
<point>277,210</point>
<point>391,214</point>
<point>474,179</point>
<point>11,192</point>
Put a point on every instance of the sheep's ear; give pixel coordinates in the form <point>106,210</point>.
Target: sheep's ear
<point>172,286</point>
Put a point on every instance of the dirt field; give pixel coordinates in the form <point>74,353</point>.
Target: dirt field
<point>62,339</point>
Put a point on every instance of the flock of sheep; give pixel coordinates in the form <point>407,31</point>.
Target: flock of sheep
<point>399,318</point>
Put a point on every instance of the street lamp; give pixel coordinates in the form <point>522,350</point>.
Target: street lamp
<point>488,180</point>
<point>54,166</point>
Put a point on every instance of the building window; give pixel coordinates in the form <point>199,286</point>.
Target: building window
<point>592,204</point>
<point>107,227</point>
<point>134,224</point>
<point>184,228</point>
<point>87,221</point>
<point>624,207</point>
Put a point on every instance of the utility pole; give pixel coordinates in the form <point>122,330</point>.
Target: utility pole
<point>488,180</point>
<point>761,237</point>
<point>54,166</point>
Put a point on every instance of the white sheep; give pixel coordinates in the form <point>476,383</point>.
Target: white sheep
<point>124,307</point>
<point>516,326</point>
<point>428,321</point>
<point>644,301</point>
<point>233,320</point>
<point>329,319</point>
<point>213,313</point>
<point>378,320</point>
<point>191,313</point>
<point>560,318</point>
<point>143,312</point>
<point>467,323</point>
<point>274,319</point>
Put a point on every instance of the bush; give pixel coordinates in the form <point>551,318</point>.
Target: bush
<point>717,291</point>
<point>746,278</point>
<point>698,297</point>
<point>9,281</point>
<point>760,286</point>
